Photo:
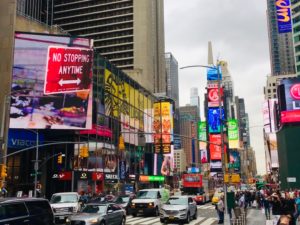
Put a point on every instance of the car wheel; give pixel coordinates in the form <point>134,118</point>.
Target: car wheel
<point>133,214</point>
<point>156,213</point>
<point>188,218</point>
<point>196,215</point>
<point>123,222</point>
<point>102,223</point>
<point>162,221</point>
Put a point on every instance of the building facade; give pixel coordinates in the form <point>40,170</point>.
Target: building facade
<point>296,33</point>
<point>128,33</point>
<point>180,160</point>
<point>280,45</point>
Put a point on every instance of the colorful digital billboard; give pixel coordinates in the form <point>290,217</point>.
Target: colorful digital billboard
<point>214,123</point>
<point>30,108</point>
<point>235,160</point>
<point>202,135</point>
<point>215,147</point>
<point>213,74</point>
<point>213,96</point>
<point>233,133</point>
<point>284,18</point>
<point>163,127</point>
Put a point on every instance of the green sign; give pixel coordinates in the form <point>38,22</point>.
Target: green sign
<point>233,165</point>
<point>233,133</point>
<point>202,131</point>
<point>156,178</point>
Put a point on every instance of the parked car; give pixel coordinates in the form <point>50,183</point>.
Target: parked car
<point>64,204</point>
<point>148,201</point>
<point>178,208</point>
<point>124,201</point>
<point>99,214</point>
<point>25,211</point>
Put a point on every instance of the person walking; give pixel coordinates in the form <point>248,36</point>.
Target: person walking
<point>297,202</point>
<point>266,206</point>
<point>220,209</point>
<point>276,203</point>
<point>289,207</point>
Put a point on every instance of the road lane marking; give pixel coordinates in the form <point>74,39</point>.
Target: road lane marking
<point>140,220</point>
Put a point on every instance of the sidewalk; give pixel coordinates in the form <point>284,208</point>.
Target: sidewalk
<point>255,217</point>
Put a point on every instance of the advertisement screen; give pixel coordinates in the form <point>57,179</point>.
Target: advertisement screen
<point>203,155</point>
<point>213,75</point>
<point>273,150</point>
<point>202,135</point>
<point>233,133</point>
<point>192,180</point>
<point>284,18</point>
<point>214,120</point>
<point>213,96</point>
<point>214,146</point>
<point>30,108</point>
<point>235,159</point>
<point>167,166</point>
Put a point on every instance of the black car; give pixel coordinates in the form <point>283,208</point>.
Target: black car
<point>124,201</point>
<point>25,211</point>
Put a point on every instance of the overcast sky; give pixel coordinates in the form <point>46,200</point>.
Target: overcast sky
<point>238,32</point>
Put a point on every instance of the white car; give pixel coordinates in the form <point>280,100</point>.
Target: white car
<point>64,204</point>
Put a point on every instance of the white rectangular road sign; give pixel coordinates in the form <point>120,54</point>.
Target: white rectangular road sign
<point>291,179</point>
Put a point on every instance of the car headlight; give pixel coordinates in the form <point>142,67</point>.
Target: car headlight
<point>68,220</point>
<point>151,204</point>
<point>133,204</point>
<point>93,221</point>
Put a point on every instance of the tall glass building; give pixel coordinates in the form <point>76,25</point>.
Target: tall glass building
<point>296,32</point>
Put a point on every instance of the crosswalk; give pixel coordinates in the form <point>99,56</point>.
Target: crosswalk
<point>206,207</point>
<point>156,221</point>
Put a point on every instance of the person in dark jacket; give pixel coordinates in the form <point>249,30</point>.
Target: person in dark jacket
<point>276,203</point>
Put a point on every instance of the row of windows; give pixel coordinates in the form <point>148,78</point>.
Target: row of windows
<point>114,35</point>
<point>94,31</point>
<point>114,42</point>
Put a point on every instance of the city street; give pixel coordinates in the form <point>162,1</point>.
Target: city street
<point>206,216</point>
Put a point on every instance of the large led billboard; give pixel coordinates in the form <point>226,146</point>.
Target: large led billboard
<point>215,147</point>
<point>30,108</point>
<point>214,123</point>
<point>213,74</point>
<point>233,133</point>
<point>289,100</point>
<point>202,135</point>
<point>284,18</point>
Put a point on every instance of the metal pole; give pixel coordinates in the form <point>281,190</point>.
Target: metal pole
<point>36,163</point>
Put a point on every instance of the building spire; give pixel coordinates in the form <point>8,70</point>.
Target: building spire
<point>210,54</point>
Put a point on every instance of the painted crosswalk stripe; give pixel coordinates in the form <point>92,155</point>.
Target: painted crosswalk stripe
<point>206,207</point>
<point>209,221</point>
<point>140,220</point>
<point>199,219</point>
<point>150,222</point>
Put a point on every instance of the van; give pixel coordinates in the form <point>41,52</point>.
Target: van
<point>25,211</point>
<point>148,201</point>
<point>64,204</point>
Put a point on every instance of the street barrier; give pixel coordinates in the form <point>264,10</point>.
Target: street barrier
<point>240,217</point>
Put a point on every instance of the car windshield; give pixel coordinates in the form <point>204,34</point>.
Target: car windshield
<point>122,199</point>
<point>177,201</point>
<point>94,209</point>
<point>147,194</point>
<point>64,198</point>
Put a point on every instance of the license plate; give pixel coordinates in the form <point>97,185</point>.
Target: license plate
<point>140,211</point>
<point>171,217</point>
<point>61,217</point>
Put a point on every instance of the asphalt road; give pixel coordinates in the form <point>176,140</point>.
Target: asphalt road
<point>207,215</point>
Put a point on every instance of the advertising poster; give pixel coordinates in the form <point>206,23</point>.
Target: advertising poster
<point>214,147</point>
<point>202,135</point>
<point>167,166</point>
<point>213,97</point>
<point>203,155</point>
<point>213,75</point>
<point>235,159</point>
<point>233,133</point>
<point>284,18</point>
<point>215,166</point>
<point>148,122</point>
<point>214,123</point>
<point>273,150</point>
<point>30,108</point>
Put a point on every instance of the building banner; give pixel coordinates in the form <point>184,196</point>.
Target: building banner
<point>215,147</point>
<point>214,123</point>
<point>202,135</point>
<point>284,18</point>
<point>30,107</point>
<point>233,133</point>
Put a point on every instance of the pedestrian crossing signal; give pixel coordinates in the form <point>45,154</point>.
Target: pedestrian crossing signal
<point>3,171</point>
<point>84,152</point>
<point>59,159</point>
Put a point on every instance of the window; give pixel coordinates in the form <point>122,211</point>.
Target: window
<point>38,207</point>
<point>13,210</point>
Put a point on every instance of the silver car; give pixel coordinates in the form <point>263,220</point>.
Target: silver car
<point>178,208</point>
<point>99,214</point>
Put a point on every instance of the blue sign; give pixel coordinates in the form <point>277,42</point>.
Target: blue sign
<point>214,124</point>
<point>128,188</point>
<point>284,19</point>
<point>19,139</point>
<point>122,170</point>
<point>193,170</point>
<point>212,74</point>
<point>177,143</point>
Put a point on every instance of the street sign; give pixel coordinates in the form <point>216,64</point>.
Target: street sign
<point>33,174</point>
<point>68,70</point>
<point>291,179</point>
<point>232,178</point>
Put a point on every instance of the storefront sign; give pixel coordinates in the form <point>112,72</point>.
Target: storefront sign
<point>151,178</point>
<point>111,176</point>
<point>97,176</point>
<point>19,139</point>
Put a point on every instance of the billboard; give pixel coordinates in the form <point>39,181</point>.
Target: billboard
<point>273,150</point>
<point>213,75</point>
<point>163,127</point>
<point>235,159</point>
<point>213,96</point>
<point>284,18</point>
<point>289,100</point>
<point>202,135</point>
<point>233,133</point>
<point>30,108</point>
<point>215,147</point>
<point>214,123</point>
<point>203,156</point>
<point>192,180</point>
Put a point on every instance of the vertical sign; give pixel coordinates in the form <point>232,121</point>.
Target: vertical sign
<point>284,19</point>
<point>122,170</point>
<point>215,147</point>
<point>202,136</point>
<point>233,134</point>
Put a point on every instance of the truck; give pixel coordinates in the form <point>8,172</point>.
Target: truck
<point>199,187</point>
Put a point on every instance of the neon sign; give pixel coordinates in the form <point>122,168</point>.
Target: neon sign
<point>283,11</point>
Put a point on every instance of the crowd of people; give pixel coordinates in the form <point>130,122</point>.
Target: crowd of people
<point>282,207</point>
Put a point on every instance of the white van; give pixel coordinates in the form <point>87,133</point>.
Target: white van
<point>64,204</point>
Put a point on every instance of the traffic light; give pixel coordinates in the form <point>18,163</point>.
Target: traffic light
<point>59,159</point>
<point>3,172</point>
<point>84,152</point>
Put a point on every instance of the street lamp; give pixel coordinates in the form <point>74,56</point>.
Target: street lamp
<point>221,130</point>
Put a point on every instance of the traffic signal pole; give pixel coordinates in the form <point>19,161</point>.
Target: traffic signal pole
<point>36,163</point>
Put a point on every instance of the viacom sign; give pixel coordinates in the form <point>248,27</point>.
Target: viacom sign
<point>284,20</point>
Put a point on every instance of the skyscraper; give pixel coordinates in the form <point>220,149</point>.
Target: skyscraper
<point>296,33</point>
<point>280,45</point>
<point>129,33</point>
<point>194,99</point>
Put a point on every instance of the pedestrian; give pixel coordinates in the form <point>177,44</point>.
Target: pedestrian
<point>266,206</point>
<point>289,207</point>
<point>297,202</point>
<point>276,203</point>
<point>285,220</point>
<point>220,209</point>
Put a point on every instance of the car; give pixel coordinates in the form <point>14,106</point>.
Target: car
<point>148,201</point>
<point>99,214</point>
<point>25,211</point>
<point>124,201</point>
<point>200,198</point>
<point>216,197</point>
<point>178,208</point>
<point>64,204</point>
